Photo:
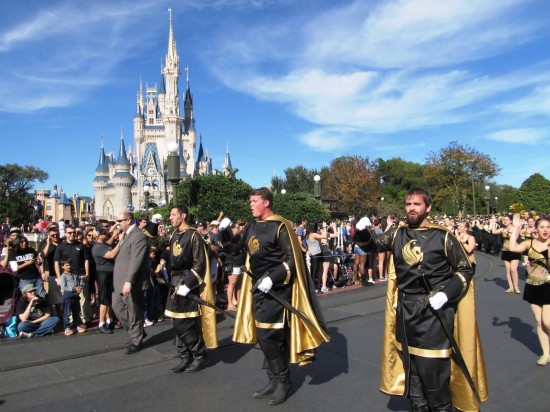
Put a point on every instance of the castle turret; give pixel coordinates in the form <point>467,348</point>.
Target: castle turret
<point>122,179</point>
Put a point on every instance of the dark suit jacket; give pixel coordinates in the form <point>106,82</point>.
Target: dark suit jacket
<point>132,262</point>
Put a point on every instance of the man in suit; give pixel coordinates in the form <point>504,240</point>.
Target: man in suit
<point>130,280</point>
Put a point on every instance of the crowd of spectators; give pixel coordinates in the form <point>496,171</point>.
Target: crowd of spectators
<point>73,264</point>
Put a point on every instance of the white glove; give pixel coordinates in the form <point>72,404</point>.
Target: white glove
<point>438,300</point>
<point>156,218</point>
<point>266,284</point>
<point>363,223</point>
<point>183,290</point>
<point>225,223</point>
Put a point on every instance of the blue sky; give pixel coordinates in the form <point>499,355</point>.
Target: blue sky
<point>283,83</point>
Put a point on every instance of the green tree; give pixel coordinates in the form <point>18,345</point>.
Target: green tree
<point>16,183</point>
<point>456,175</point>
<point>534,193</point>
<point>396,177</point>
<point>295,206</point>
<point>297,180</point>
<point>353,182</point>
<point>207,196</point>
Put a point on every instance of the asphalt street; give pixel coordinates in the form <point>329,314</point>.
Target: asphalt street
<point>91,372</point>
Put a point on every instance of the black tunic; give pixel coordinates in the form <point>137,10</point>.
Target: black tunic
<point>188,267</point>
<point>436,253</point>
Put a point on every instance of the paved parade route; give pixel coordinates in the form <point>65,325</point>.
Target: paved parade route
<point>91,372</point>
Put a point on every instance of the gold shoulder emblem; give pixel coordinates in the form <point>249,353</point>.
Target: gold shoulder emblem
<point>253,245</point>
<point>412,253</point>
<point>176,249</point>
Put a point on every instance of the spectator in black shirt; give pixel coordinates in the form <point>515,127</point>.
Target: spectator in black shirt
<point>74,251</point>
<point>27,271</point>
<point>33,314</point>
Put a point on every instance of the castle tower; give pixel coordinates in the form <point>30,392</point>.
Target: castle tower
<point>227,167</point>
<point>158,121</point>
<point>101,180</point>
<point>122,179</point>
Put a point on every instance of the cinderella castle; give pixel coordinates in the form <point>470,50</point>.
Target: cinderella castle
<point>122,180</point>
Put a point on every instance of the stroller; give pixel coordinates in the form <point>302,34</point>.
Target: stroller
<point>344,276</point>
<point>8,296</point>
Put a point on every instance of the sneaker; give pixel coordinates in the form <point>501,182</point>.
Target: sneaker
<point>24,335</point>
<point>104,329</point>
<point>81,328</point>
<point>371,281</point>
<point>384,279</point>
<point>147,323</point>
<point>325,290</point>
<point>68,332</point>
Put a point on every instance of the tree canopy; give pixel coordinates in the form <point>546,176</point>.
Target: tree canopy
<point>16,183</point>
<point>353,181</point>
<point>458,173</point>
<point>534,193</point>
<point>207,196</point>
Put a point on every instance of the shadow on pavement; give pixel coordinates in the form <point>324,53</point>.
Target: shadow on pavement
<point>520,331</point>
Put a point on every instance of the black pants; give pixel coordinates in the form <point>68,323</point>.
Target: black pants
<point>272,342</point>
<point>434,375</point>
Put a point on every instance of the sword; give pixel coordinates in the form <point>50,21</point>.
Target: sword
<point>456,355</point>
<point>283,302</point>
<point>201,301</point>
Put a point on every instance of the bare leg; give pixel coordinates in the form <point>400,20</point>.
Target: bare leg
<point>514,275</point>
<point>232,280</point>
<point>508,277</point>
<point>542,317</point>
<point>326,267</point>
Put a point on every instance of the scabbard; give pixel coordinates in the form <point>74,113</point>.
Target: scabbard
<point>280,300</point>
<point>456,355</point>
<point>201,301</point>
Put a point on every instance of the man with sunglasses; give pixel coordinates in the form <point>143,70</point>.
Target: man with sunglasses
<point>47,250</point>
<point>131,279</point>
<point>74,251</point>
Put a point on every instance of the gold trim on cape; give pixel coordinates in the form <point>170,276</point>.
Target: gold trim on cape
<point>303,338</point>
<point>392,374</point>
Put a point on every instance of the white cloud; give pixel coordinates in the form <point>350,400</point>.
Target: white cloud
<point>522,136</point>
<point>535,103</point>
<point>383,67</point>
<point>415,33</point>
<point>63,51</point>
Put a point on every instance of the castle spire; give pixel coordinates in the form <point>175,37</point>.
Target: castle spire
<point>102,166</point>
<point>122,156</point>
<point>172,52</point>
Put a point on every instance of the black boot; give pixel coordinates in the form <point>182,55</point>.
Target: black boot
<point>281,376</point>
<point>269,388</point>
<point>200,359</point>
<point>440,400</point>
<point>184,354</point>
<point>416,395</point>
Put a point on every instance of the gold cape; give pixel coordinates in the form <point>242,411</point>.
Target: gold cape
<point>303,338</point>
<point>392,374</point>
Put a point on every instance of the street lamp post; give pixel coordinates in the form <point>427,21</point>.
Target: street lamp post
<point>382,205</point>
<point>174,176</point>
<point>488,199</point>
<point>7,194</point>
<point>146,189</point>
<point>317,187</point>
<point>496,204</point>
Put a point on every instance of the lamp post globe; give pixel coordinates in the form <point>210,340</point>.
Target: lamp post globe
<point>317,187</point>
<point>488,199</point>
<point>283,191</point>
<point>146,189</point>
<point>174,175</point>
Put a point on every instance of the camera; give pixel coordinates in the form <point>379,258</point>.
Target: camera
<point>205,237</point>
